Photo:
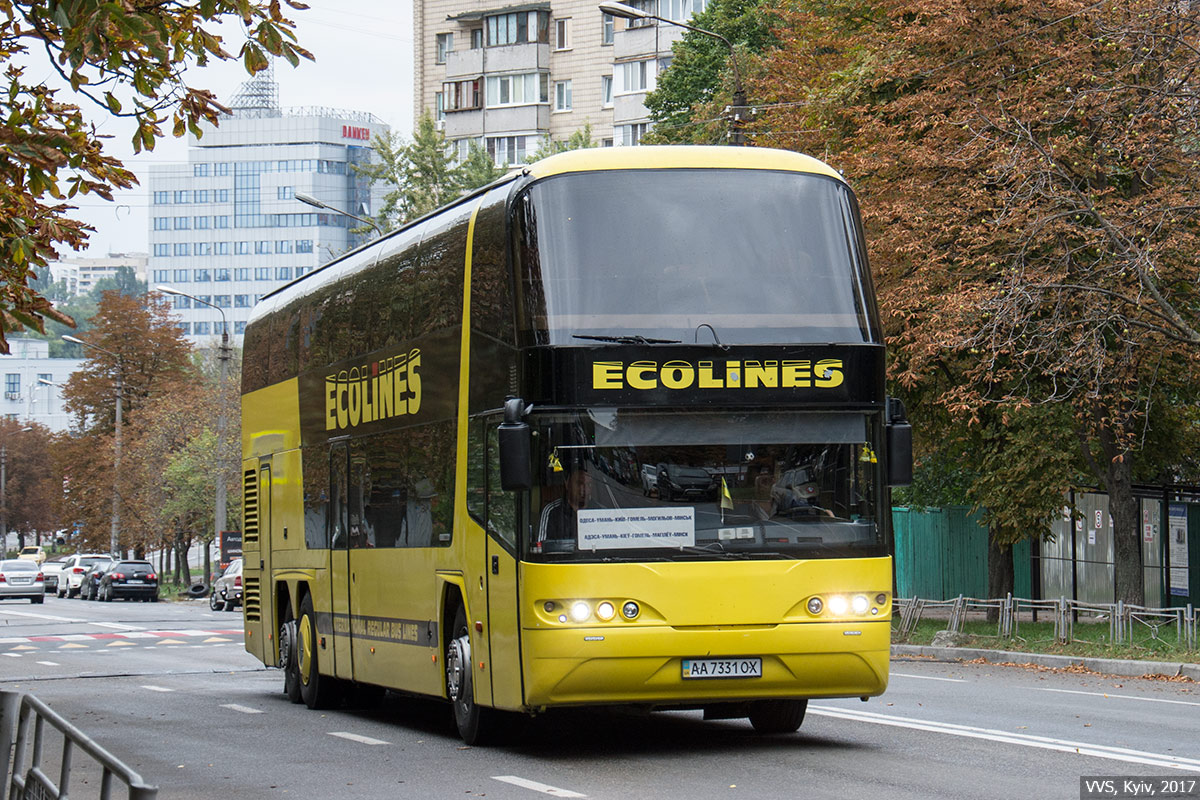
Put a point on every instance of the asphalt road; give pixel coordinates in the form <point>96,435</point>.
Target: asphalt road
<point>168,688</point>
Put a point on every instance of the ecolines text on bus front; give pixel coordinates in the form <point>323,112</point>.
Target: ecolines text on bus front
<point>385,388</point>
<point>676,374</point>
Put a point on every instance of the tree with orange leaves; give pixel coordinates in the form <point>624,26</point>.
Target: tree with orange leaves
<point>1031,184</point>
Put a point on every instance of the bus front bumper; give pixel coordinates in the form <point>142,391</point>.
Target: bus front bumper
<point>644,665</point>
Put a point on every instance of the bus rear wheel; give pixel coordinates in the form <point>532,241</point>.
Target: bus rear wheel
<point>287,660</point>
<point>317,690</point>
<point>475,724</point>
<point>778,716</point>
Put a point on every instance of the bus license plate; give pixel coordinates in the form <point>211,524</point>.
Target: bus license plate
<point>722,668</point>
<point>134,581</point>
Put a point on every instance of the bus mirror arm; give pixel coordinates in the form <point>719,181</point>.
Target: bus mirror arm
<point>515,447</point>
<point>899,445</point>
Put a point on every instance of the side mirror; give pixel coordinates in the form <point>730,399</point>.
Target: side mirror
<point>515,446</point>
<point>899,445</point>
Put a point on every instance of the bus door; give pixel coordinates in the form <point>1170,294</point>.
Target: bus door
<point>339,560</point>
<point>504,623</point>
<point>262,562</point>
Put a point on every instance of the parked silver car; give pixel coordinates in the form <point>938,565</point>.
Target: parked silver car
<point>227,590</point>
<point>20,578</point>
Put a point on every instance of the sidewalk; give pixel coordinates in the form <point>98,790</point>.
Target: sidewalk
<point>1106,666</point>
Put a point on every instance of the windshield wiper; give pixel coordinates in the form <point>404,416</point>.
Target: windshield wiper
<point>713,549</point>
<point>626,339</point>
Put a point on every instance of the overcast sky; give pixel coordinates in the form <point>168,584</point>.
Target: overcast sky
<point>364,62</point>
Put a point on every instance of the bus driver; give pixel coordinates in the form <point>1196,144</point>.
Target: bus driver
<point>559,517</point>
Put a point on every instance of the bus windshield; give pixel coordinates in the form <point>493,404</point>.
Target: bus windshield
<point>639,485</point>
<point>760,256</point>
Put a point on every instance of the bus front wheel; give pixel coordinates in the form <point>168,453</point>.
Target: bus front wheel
<point>474,723</point>
<point>778,716</point>
<point>317,690</point>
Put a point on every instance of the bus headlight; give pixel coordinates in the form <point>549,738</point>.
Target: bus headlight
<point>605,611</point>
<point>838,605</point>
<point>580,611</point>
<point>860,604</point>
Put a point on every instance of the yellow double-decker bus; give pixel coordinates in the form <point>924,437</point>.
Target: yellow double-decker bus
<point>610,431</point>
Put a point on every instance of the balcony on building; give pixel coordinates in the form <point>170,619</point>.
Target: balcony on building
<point>630,108</point>
<point>508,120</point>
<point>645,41</point>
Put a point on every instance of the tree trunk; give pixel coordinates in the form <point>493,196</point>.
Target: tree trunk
<point>1127,548</point>
<point>1001,574</point>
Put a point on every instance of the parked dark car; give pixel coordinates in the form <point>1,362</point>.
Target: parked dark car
<point>686,483</point>
<point>132,580</point>
<point>91,579</point>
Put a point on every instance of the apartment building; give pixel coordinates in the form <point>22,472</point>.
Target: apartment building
<point>82,274</point>
<point>33,383</point>
<point>508,76</point>
<point>226,227</point>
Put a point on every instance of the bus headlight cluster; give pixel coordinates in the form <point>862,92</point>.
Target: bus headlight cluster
<point>579,611</point>
<point>848,605</point>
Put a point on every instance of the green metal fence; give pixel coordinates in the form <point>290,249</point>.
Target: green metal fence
<point>941,553</point>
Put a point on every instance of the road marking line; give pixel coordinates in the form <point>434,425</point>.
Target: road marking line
<point>354,737</point>
<point>50,663</point>
<point>243,709</point>
<point>157,688</point>
<point>73,646</point>
<point>1024,740</point>
<point>215,639</point>
<point>1121,696</point>
<point>927,677</point>
<point>170,641</point>
<point>14,655</point>
<point>119,643</point>
<point>117,626</point>
<point>24,647</point>
<point>524,783</point>
<point>50,617</point>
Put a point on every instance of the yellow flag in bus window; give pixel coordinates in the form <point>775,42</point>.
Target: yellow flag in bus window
<point>555,464</point>
<point>726,500</point>
<point>867,456</point>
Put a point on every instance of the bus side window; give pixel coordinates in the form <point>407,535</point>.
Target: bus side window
<point>337,495</point>
<point>476,471</point>
<point>501,505</point>
<point>316,497</point>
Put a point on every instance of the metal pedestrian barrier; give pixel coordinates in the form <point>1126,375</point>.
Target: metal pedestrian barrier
<point>23,733</point>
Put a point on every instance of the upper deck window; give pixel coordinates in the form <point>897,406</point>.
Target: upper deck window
<point>761,256</point>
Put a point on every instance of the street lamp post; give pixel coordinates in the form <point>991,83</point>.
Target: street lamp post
<point>308,199</point>
<point>738,108</point>
<point>115,528</point>
<point>224,354</point>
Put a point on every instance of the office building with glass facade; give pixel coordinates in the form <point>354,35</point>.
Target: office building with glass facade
<point>226,227</point>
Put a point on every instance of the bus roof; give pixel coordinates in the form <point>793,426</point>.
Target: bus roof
<point>679,157</point>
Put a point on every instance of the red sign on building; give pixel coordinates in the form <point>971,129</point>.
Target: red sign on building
<point>352,132</point>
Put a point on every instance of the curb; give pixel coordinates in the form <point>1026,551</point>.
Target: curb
<point>1107,666</point>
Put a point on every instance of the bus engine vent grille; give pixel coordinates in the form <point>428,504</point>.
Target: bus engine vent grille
<point>252,599</point>
<point>249,506</point>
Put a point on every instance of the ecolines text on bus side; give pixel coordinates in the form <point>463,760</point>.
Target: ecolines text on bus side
<point>382,389</point>
<point>679,374</point>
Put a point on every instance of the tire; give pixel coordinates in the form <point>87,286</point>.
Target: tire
<point>778,716</point>
<point>287,660</point>
<point>213,602</point>
<point>39,599</point>
<point>229,605</point>
<point>476,725</point>
<point>317,690</point>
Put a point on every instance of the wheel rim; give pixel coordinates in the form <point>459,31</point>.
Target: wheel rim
<point>305,650</point>
<point>458,660</point>
<point>285,646</point>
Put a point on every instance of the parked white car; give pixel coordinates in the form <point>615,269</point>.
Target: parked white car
<point>52,570</point>
<point>74,568</point>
